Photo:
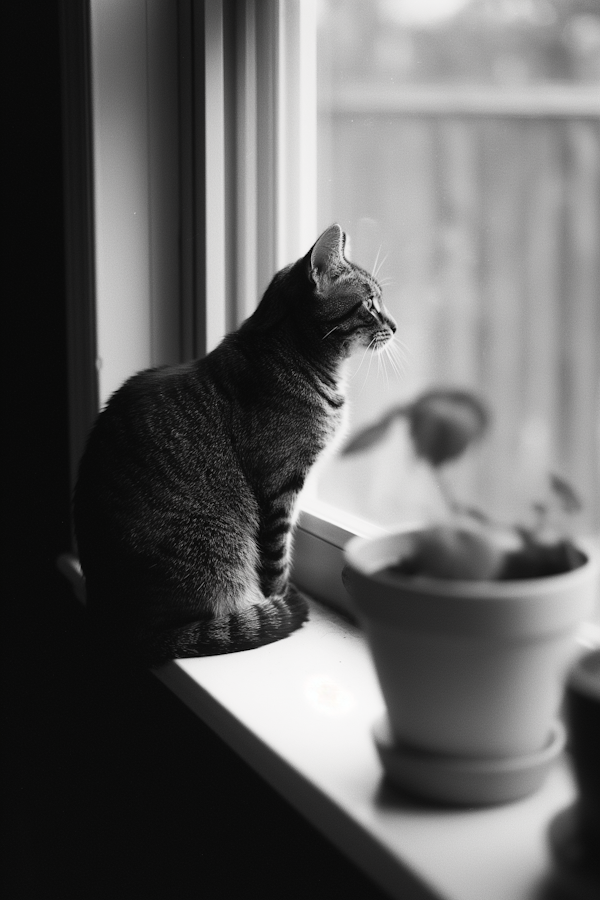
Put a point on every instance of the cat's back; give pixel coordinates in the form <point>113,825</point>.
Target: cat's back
<point>158,431</point>
<point>152,406</point>
<point>151,393</point>
<point>159,474</point>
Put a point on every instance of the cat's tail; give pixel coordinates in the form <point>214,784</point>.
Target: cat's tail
<point>262,623</point>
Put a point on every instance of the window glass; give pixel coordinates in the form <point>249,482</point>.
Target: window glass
<point>459,146</point>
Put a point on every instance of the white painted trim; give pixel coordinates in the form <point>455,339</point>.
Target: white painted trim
<point>134,103</point>
<point>121,172</point>
<point>460,100</point>
<point>215,175</point>
<point>297,130</point>
<point>267,157</point>
<point>163,181</point>
<point>276,135</point>
<point>246,188</point>
<point>321,536</point>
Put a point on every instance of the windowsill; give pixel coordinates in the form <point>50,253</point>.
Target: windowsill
<point>300,713</point>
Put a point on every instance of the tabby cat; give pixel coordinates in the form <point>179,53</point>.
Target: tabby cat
<point>186,497</point>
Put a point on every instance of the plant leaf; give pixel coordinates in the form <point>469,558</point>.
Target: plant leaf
<point>567,496</point>
<point>366,438</point>
<point>444,422</point>
<point>373,434</point>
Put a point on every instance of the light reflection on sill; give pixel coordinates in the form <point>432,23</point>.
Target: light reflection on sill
<point>327,696</point>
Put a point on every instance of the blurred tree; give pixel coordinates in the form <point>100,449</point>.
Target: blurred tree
<point>466,41</point>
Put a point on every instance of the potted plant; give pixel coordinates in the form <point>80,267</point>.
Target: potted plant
<point>471,626</point>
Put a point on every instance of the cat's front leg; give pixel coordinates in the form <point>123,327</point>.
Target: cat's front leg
<point>275,540</point>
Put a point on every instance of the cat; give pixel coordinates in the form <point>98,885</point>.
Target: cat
<point>186,497</point>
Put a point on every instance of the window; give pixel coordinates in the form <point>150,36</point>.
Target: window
<point>225,135</point>
<point>180,202</point>
<point>459,145</point>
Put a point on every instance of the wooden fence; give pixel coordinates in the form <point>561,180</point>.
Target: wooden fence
<point>487,212</point>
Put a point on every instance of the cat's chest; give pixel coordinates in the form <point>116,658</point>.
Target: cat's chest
<point>302,428</point>
<point>335,415</point>
<point>315,426</point>
<point>293,420</point>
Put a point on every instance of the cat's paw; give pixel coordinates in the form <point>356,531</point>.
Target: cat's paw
<point>296,603</point>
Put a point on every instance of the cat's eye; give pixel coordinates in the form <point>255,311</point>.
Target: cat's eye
<point>372,303</point>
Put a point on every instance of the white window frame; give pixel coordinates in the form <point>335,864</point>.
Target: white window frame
<point>198,167</point>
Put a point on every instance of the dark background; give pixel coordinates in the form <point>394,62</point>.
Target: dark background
<point>111,787</point>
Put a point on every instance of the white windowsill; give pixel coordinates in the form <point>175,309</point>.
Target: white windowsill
<point>300,713</point>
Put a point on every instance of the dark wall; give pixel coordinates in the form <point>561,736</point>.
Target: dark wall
<point>111,788</point>
<point>40,620</point>
<point>37,298</point>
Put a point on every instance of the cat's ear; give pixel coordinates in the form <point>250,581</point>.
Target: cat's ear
<point>327,255</point>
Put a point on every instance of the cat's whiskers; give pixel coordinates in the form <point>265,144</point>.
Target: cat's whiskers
<point>400,351</point>
<point>362,359</point>
<point>369,350</point>
<point>371,355</point>
<point>388,359</point>
<point>403,353</point>
<point>397,361</point>
<point>381,366</point>
<point>331,330</point>
<point>374,269</point>
<point>378,264</point>
<point>396,369</point>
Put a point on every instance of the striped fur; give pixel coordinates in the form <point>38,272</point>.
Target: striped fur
<point>187,491</point>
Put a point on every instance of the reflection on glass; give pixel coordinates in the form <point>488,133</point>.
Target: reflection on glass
<point>459,146</point>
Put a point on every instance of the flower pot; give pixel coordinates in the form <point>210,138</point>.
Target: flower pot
<point>471,672</point>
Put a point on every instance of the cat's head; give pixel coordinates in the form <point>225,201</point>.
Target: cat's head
<point>347,301</point>
<point>326,296</point>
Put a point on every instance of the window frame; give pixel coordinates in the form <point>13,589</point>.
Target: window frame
<point>189,182</point>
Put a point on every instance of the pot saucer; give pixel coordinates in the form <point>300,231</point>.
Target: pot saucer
<point>465,781</point>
